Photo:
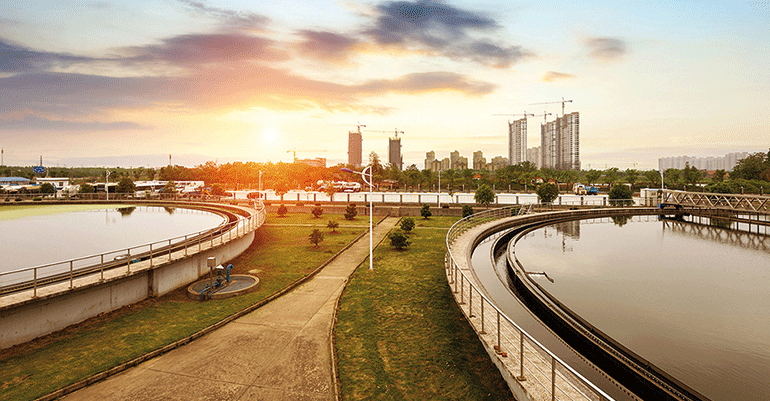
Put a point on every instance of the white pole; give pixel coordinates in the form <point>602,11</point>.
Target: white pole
<point>439,189</point>
<point>371,213</point>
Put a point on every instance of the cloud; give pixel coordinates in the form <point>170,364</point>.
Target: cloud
<point>441,29</point>
<point>327,45</point>
<point>19,59</point>
<point>34,123</point>
<point>232,18</point>
<point>551,76</point>
<point>606,49</point>
<point>193,49</point>
<point>237,87</point>
<point>428,82</point>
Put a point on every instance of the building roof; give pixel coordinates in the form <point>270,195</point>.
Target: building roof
<point>14,179</point>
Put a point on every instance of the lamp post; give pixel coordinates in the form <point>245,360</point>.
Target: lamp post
<point>107,184</point>
<point>439,189</point>
<point>364,174</point>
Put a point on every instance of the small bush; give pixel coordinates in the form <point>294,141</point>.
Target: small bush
<point>425,211</point>
<point>333,224</point>
<point>316,237</point>
<point>282,210</point>
<point>317,211</point>
<point>467,210</point>
<point>407,224</point>
<point>350,212</point>
<point>399,240</point>
<point>300,204</point>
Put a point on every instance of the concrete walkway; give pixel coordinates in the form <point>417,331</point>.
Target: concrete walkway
<point>281,351</point>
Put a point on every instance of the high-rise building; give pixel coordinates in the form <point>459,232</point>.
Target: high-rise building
<point>533,156</point>
<point>355,142</point>
<point>430,158</point>
<point>479,162</point>
<point>727,162</point>
<point>394,152</point>
<point>560,143</point>
<point>517,141</point>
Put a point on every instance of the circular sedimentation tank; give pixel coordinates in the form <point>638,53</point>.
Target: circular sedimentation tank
<point>239,284</point>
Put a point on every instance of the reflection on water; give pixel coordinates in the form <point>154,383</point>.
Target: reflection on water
<point>691,298</point>
<point>36,240</point>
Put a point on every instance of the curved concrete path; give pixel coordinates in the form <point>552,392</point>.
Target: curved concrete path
<point>281,351</point>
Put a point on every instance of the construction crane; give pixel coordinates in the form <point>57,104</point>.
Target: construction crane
<point>562,104</point>
<point>525,115</point>
<point>398,132</point>
<point>294,153</point>
<point>544,115</point>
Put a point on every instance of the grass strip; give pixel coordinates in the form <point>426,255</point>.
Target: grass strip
<point>400,335</point>
<point>278,256</point>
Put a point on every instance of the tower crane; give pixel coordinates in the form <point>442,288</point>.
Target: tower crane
<point>562,104</point>
<point>525,115</point>
<point>544,115</point>
<point>398,132</point>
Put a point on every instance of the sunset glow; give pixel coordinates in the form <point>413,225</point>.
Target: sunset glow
<point>126,83</point>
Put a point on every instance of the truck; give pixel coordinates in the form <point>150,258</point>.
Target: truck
<point>580,189</point>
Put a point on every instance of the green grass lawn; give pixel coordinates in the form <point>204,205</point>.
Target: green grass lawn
<point>278,255</point>
<point>400,334</point>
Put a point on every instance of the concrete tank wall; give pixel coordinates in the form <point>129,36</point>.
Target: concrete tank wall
<point>43,315</point>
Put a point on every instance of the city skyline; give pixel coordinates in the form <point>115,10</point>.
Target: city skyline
<point>128,83</point>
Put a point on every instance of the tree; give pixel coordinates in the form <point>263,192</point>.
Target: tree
<point>316,237</point>
<point>282,210</point>
<point>425,211</point>
<point>350,212</point>
<point>484,195</point>
<point>333,224</point>
<point>653,176</point>
<point>592,176</point>
<point>611,175</point>
<point>467,210</point>
<point>547,192</point>
<point>621,195</point>
<point>407,224</point>
<point>86,189</point>
<point>632,176</point>
<point>399,240</point>
<point>719,175</point>
<point>317,211</point>
<point>170,188</point>
<point>217,190</point>
<point>691,174</point>
<point>125,186</point>
<point>47,188</point>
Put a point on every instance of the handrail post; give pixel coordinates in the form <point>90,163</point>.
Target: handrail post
<point>553,378</point>
<point>462,281</point>
<point>169,250</point>
<point>34,283</point>
<point>499,347</point>
<point>482,316</point>
<point>128,263</point>
<point>101,268</point>
<point>470,300</point>
<point>185,245</point>
<point>521,356</point>
<point>150,255</point>
<point>71,273</point>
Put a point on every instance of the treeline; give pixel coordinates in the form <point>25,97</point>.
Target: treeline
<point>751,175</point>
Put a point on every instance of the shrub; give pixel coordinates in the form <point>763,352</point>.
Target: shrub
<point>351,212</point>
<point>300,203</point>
<point>425,211</point>
<point>282,210</point>
<point>547,192</point>
<point>398,240</point>
<point>316,237</point>
<point>467,210</point>
<point>484,195</point>
<point>317,211</point>
<point>621,195</point>
<point>407,224</point>
<point>333,224</point>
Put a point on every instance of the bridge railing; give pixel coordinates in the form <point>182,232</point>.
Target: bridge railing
<point>151,254</point>
<point>736,202</point>
<point>542,373</point>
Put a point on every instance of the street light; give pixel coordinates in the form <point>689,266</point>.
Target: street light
<point>364,174</point>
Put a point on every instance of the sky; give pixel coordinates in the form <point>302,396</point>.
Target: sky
<point>128,83</point>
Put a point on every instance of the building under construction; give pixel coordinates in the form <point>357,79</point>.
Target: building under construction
<point>517,141</point>
<point>355,142</point>
<point>560,143</point>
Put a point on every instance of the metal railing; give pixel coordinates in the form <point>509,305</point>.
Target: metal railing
<point>538,370</point>
<point>138,256</point>
<point>736,202</point>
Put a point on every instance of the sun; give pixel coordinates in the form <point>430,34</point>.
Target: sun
<point>270,135</point>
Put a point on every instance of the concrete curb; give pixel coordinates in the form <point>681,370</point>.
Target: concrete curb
<point>176,344</point>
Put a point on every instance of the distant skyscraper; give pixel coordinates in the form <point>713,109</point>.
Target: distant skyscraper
<point>394,152</point>
<point>355,142</point>
<point>517,141</point>
<point>430,158</point>
<point>560,143</point>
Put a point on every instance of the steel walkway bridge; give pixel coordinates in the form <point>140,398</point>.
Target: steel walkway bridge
<point>728,202</point>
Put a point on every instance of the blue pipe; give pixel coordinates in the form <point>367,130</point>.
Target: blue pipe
<point>230,266</point>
